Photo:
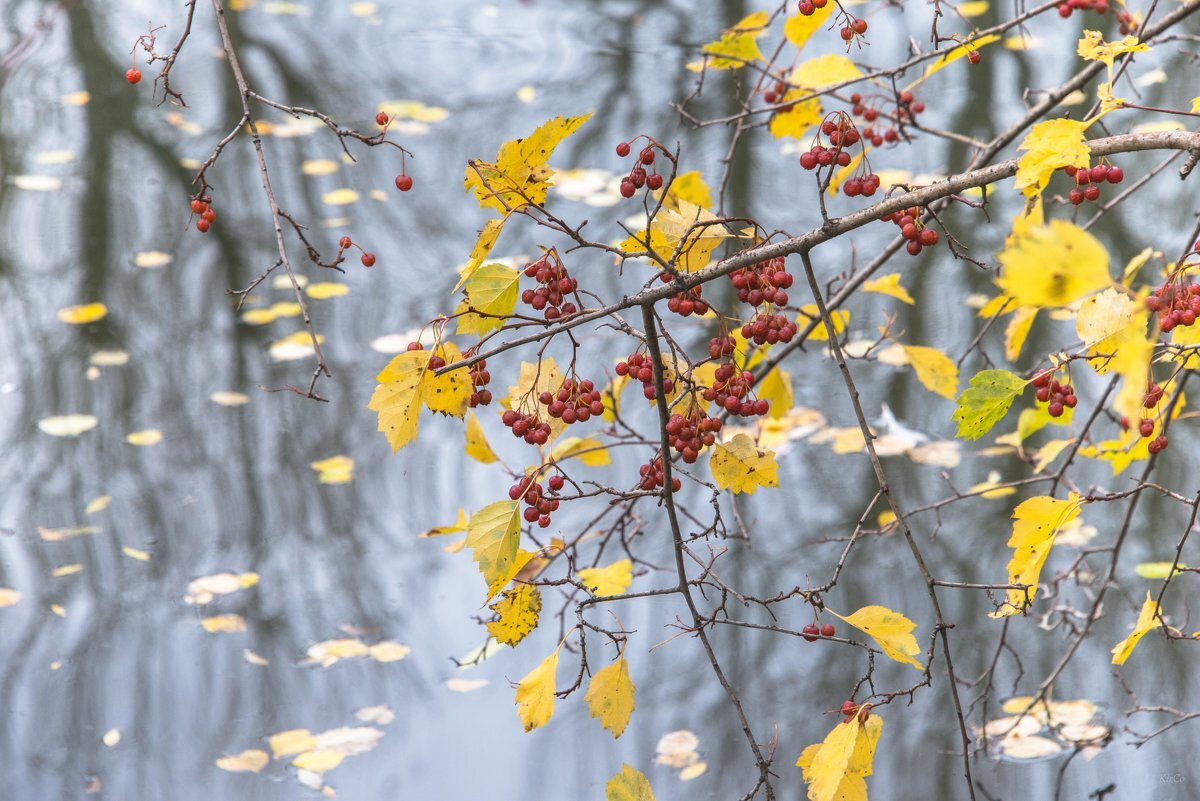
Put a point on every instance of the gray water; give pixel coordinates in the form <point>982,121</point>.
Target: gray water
<point>230,488</point>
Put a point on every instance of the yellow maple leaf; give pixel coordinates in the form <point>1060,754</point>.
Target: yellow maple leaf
<point>520,175</point>
<point>628,785</point>
<point>1147,621</point>
<point>407,383</point>
<point>493,534</point>
<point>611,696</point>
<point>836,769</point>
<point>606,581</point>
<point>1049,146</point>
<point>889,285</point>
<point>936,371</point>
<point>891,630</point>
<point>518,609</point>
<point>1053,265</point>
<point>477,446</point>
<point>535,693</point>
<point>739,466</point>
<point>1036,522</point>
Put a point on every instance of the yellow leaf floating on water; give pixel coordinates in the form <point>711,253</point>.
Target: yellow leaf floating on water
<point>254,658</point>
<point>891,630</point>
<point>836,769</point>
<point>67,425</point>
<point>84,314</point>
<point>339,197</point>
<point>292,741</point>
<point>323,290</point>
<point>1036,522</point>
<point>294,346</point>
<point>413,110</point>
<point>607,581</point>
<point>134,553</point>
<point>974,8</point>
<point>628,785</point>
<point>246,762</point>
<point>67,570</point>
<point>1049,146</point>
<point>145,438</point>
<point>518,609</point>
<point>224,624</point>
<point>611,696</point>
<point>111,738</point>
<point>388,651</point>
<point>739,466</point>
<point>318,761</point>
<point>889,285</point>
<point>319,167</point>
<point>477,446</point>
<point>935,370</point>
<point>1147,621</point>
<point>229,398</point>
<point>202,590</point>
<point>37,183</point>
<point>465,685</point>
<point>1053,265</point>
<point>535,693</point>
<point>76,98</point>
<point>9,597</point>
<point>520,175</point>
<point>152,259</point>
<point>65,532</point>
<point>334,470</point>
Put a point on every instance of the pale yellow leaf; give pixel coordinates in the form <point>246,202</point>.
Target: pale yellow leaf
<point>607,581</point>
<point>935,370</point>
<point>535,693</point>
<point>1147,621</point>
<point>891,630</point>
<point>889,285</point>
<point>610,696</point>
<point>246,762</point>
<point>741,467</point>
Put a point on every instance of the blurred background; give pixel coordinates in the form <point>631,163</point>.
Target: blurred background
<point>95,186</point>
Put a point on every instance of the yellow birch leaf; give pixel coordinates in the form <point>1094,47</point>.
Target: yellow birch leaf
<point>739,466</point>
<point>318,761</point>
<point>246,762</point>
<point>607,581</point>
<point>889,285</point>
<point>449,393</point>
<point>1092,47</point>
<point>1049,146</point>
<point>985,402</point>
<point>799,29</point>
<point>957,53</point>
<point>935,370</point>
<point>1053,265</point>
<point>520,175</point>
<point>588,450</point>
<point>822,71</point>
<point>397,399</point>
<point>483,246</point>
<point>491,290</point>
<point>1017,331</point>
<point>836,769</point>
<point>518,609</point>
<point>493,534</point>
<point>293,741</point>
<point>628,785</point>
<point>1036,522</point>
<point>1147,621</point>
<point>840,320</point>
<point>82,315</point>
<point>610,696</point>
<point>535,693</point>
<point>892,631</point>
<point>477,445</point>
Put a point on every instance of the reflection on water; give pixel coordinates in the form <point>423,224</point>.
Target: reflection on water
<point>230,488</point>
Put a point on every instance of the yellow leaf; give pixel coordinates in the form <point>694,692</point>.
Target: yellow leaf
<point>224,624</point>
<point>1092,47</point>
<point>134,553</point>
<point>974,8</point>
<point>339,197</point>
<point>518,609</point>
<point>532,381</point>
<point>891,630</point>
<point>9,597</point>
<point>606,581</point>
<point>799,28</point>
<point>681,229</point>
<point>97,504</point>
<point>1001,304</point>
<point>1049,452</point>
<point>67,570</point>
<point>293,741</point>
<point>957,53</point>
<point>610,696</point>
<point>318,167</point>
<point>798,116</point>
<point>245,762</point>
<point>520,175</point>
<point>935,370</point>
<point>1049,146</point>
<point>397,399</point>
<point>323,290</point>
<point>688,187</point>
<point>483,246</point>
<point>628,785</point>
<point>1158,570</point>
<point>610,396</point>
<point>822,71</point>
<point>1017,331</point>
<point>985,402</point>
<point>493,534</point>
<point>836,769</point>
<point>1106,323</point>
<point>459,525</point>
<point>81,315</point>
<point>535,693</point>
<point>477,445</point>
<point>67,425</point>
<point>1036,522</point>
<point>449,393</point>
<point>739,466</point>
<point>318,761</point>
<point>152,259</point>
<point>737,46</point>
<point>111,738</point>
<point>840,320</point>
<point>1147,621</point>
<point>388,651</point>
<point>776,388</point>
<point>1053,265</point>
<point>588,450</point>
<point>413,110</point>
<point>491,290</point>
<point>334,470</point>
<point>889,285</point>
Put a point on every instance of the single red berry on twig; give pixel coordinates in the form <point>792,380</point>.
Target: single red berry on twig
<point>381,119</point>
<point>133,75</point>
<point>404,182</point>
<point>368,259</point>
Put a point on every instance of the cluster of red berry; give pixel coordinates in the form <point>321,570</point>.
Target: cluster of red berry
<point>637,177</point>
<point>719,347</point>
<point>691,433</point>
<point>1126,23</point>
<point>480,377</point>
<point>1068,6</point>
<point>762,282</point>
<point>685,303</point>
<point>575,401</point>
<point>538,502</point>
<point>855,26</point>
<point>203,207</point>
<point>809,7</point>
<point>1175,304</point>
<point>866,185</point>
<point>909,222</point>
<point>1057,397</point>
<point>653,478</point>
<point>812,632</point>
<point>870,114</point>
<point>1151,399</point>
<point>529,427</point>
<point>731,391</point>
<point>555,286</point>
<point>638,366</point>
<point>767,329</point>
<point>775,93</point>
<point>368,259</point>
<point>1087,181</point>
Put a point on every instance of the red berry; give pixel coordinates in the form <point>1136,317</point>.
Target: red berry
<point>209,215</point>
<point>654,181</point>
<point>368,259</point>
<point>404,182</point>
<point>928,237</point>
<point>627,188</point>
<point>381,119</point>
<point>623,149</point>
<point>344,242</point>
<point>199,206</point>
<point>811,632</point>
<point>859,25</point>
<point>133,75</point>
<point>1115,175</point>
<point>827,630</point>
<point>202,225</point>
<point>974,56</point>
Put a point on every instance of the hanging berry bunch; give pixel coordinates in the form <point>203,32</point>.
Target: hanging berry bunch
<point>867,110</point>
<point>367,259</point>
<point>911,228</point>
<point>202,206</point>
<point>653,478</point>
<point>1151,399</point>
<point>731,390</point>
<point>1088,181</point>
<point>480,377</point>
<point>556,285</point>
<point>691,433</point>
<point>809,7</point>
<point>575,401</point>
<point>1065,9</point>
<point>638,366</point>
<point>539,502</point>
<point>638,177</point>
<point>685,303</point>
<point>1176,304</point>
<point>1057,397</point>
<point>722,346</point>
<point>767,329</point>
<point>762,282</point>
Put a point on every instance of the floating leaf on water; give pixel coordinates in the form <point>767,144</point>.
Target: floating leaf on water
<point>202,590</point>
<point>330,652</point>
<point>109,358</point>
<point>292,741</point>
<point>412,110</point>
<point>37,183</point>
<point>134,553</point>
<point>9,597</point>
<point>254,658</point>
<point>319,167</point>
<point>348,740</point>
<point>692,771</point>
<point>111,738</point>
<point>229,398</point>
<point>318,761</point>
<point>55,157</point>
<point>146,438</point>
<point>152,259</point>
<point>334,470</point>
<point>363,9</point>
<point>526,94</point>
<point>284,282</point>
<point>339,197</point>
<point>388,651</point>
<point>1033,747</point>
<point>67,425</point>
<point>98,504</point>
<point>246,762</point>
<point>285,8</point>
<point>66,570</point>
<point>380,195</point>
<point>465,685</point>
<point>293,346</point>
<point>65,532</point>
<point>58,609</point>
<point>326,289</point>
<point>382,714</point>
<point>83,314</point>
<point>258,316</point>
<point>224,624</point>
<point>77,98</point>
<point>677,749</point>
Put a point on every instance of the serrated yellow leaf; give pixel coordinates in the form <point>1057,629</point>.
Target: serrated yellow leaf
<point>607,581</point>
<point>737,45</point>
<point>483,246</point>
<point>588,450</point>
<point>628,785</point>
<point>681,229</point>
<point>293,741</point>
<point>822,71</point>
<point>449,393</point>
<point>739,466</point>
<point>799,29</point>
<point>1092,47</point>
<point>1036,522</point>
<point>246,762</point>
<point>836,769</point>
<point>520,175</point>
<point>535,693</point>
<point>985,402</point>
<point>889,285</point>
<point>935,370</point>
<point>492,293</point>
<point>1049,146</point>
<point>493,534</point>
<point>518,609</point>
<point>318,761</point>
<point>1053,265</point>
<point>82,315</point>
<point>891,630</point>
<point>1017,331</point>
<point>688,187</point>
<point>611,696</point>
<point>1147,621</point>
<point>397,399</point>
<point>1001,304</point>
<point>776,388</point>
<point>477,445</point>
<point>1106,323</point>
